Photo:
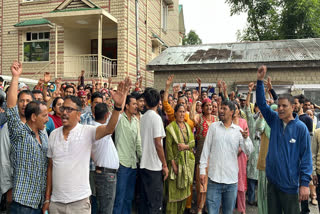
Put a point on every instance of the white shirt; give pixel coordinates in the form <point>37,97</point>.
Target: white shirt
<point>151,127</point>
<point>104,152</point>
<point>221,147</point>
<point>70,172</point>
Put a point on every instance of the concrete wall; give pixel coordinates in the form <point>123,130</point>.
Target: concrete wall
<point>296,75</point>
<point>76,43</point>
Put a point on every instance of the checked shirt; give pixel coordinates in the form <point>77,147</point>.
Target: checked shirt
<point>29,161</point>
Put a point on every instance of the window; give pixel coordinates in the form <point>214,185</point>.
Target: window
<point>164,20</point>
<point>36,47</point>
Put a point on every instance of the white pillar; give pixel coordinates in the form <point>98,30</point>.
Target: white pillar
<point>56,52</point>
<point>100,46</point>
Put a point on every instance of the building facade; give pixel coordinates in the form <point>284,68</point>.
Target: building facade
<point>98,36</point>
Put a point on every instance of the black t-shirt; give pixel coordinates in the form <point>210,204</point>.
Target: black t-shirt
<point>307,120</point>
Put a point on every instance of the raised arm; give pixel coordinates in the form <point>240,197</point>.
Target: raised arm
<point>193,114</point>
<point>199,85</point>
<point>250,88</point>
<point>247,110</point>
<point>93,86</point>
<point>176,90</point>
<point>209,88</point>
<point>168,84</point>
<point>119,98</point>
<point>166,106</point>
<point>16,70</point>
<point>225,90</point>
<point>266,111</point>
<point>56,93</point>
<point>109,82</point>
<point>271,90</point>
<point>46,79</point>
<point>82,78</point>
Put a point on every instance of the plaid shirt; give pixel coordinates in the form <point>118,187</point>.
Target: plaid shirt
<point>88,119</point>
<point>29,162</point>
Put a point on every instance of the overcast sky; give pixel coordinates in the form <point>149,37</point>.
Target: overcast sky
<point>211,20</point>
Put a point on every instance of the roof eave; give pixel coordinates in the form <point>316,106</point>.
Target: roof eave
<point>34,26</point>
<point>239,66</point>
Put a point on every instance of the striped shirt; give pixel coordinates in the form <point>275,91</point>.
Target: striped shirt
<point>29,161</point>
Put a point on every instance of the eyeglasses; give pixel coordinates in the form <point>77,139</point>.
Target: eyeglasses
<point>68,109</point>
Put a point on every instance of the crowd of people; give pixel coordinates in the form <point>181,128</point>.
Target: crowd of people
<point>90,148</point>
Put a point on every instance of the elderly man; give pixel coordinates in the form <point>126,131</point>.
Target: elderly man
<point>84,101</point>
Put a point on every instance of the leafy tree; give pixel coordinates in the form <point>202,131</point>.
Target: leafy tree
<point>278,19</point>
<point>191,39</point>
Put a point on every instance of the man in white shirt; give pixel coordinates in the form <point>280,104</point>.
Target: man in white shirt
<point>153,162</point>
<point>68,187</point>
<point>221,148</point>
<point>106,160</point>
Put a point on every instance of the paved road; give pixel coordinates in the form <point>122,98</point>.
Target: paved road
<point>254,210</point>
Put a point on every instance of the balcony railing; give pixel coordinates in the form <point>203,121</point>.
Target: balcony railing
<point>73,65</point>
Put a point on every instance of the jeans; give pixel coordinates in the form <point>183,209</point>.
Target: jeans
<point>251,190</point>
<point>93,198</point>
<point>106,183</point>
<point>94,204</point>
<point>151,192</point>
<point>126,181</point>
<point>16,208</point>
<point>225,193</point>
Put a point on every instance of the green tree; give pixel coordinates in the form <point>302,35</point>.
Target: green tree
<point>278,19</point>
<point>191,38</point>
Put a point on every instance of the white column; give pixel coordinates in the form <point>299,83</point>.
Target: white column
<point>100,47</point>
<point>56,52</point>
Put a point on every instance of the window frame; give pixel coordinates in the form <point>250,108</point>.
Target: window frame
<point>35,41</point>
<point>164,15</point>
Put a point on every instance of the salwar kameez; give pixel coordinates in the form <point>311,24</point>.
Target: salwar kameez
<point>262,127</point>
<point>178,185</point>
<point>262,193</point>
<point>242,175</point>
<point>201,133</point>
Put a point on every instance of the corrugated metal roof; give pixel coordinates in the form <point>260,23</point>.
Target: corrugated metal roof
<point>242,52</point>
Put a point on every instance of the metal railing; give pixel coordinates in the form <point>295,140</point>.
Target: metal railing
<point>109,67</point>
<point>73,65</point>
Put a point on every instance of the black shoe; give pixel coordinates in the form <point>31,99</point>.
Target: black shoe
<point>253,203</point>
